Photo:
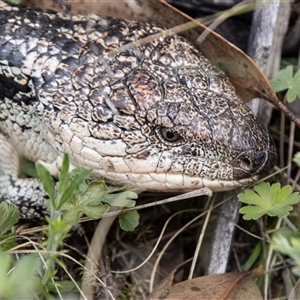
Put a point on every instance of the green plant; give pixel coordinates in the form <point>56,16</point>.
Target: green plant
<point>287,242</point>
<point>18,279</point>
<point>285,80</point>
<point>9,216</point>
<point>274,200</point>
<point>70,198</point>
<point>268,200</point>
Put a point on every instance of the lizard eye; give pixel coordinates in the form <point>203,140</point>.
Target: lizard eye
<point>169,135</point>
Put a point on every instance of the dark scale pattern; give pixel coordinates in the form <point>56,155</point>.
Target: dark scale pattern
<point>156,115</point>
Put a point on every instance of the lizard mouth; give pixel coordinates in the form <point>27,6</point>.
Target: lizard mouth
<point>183,183</point>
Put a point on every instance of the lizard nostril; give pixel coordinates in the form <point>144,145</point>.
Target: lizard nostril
<point>255,161</point>
<point>252,162</point>
<point>246,162</point>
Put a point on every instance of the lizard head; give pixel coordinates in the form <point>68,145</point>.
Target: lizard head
<point>160,116</point>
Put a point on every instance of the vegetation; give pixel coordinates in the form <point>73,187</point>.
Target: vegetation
<point>36,263</point>
<point>70,198</point>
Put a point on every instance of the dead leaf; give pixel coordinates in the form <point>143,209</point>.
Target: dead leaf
<point>233,286</point>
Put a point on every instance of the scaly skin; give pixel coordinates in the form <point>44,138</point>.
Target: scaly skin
<point>156,115</point>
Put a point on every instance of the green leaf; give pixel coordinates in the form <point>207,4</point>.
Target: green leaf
<point>115,189</point>
<point>287,242</point>
<point>94,193</point>
<point>252,213</point>
<point>65,166</point>
<point>46,180</point>
<point>296,159</point>
<point>15,1</point>
<point>73,214</point>
<point>284,80</point>
<point>72,187</point>
<point>63,286</point>
<point>271,200</point>
<point>249,264</point>
<point>5,262</point>
<point>64,176</point>
<point>9,216</point>
<point>129,221</point>
<point>122,199</point>
<point>21,281</point>
<point>56,232</point>
<point>27,168</point>
<point>88,202</point>
<point>95,212</point>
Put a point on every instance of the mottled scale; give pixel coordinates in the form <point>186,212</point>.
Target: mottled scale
<point>156,115</point>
